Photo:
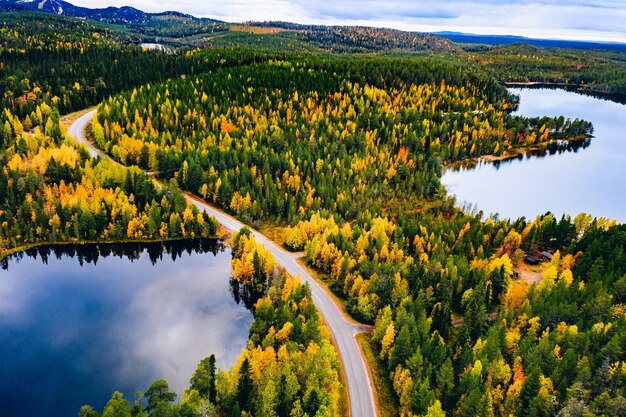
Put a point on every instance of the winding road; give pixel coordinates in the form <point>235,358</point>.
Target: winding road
<point>343,330</point>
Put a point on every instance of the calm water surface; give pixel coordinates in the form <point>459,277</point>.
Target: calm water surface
<point>590,178</point>
<point>77,323</point>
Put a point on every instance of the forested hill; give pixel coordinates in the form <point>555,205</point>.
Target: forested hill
<point>499,40</point>
<point>591,70</point>
<point>364,39</point>
<point>184,29</point>
<point>73,64</point>
<point>167,24</point>
<point>117,15</point>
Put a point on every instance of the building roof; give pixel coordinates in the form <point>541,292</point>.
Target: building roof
<point>531,260</point>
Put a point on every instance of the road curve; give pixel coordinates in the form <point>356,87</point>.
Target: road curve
<point>77,132</point>
<point>343,331</point>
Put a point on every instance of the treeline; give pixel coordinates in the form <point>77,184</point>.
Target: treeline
<point>176,25</point>
<point>551,127</point>
<point>42,28</point>
<point>355,39</point>
<point>290,368</point>
<point>599,71</point>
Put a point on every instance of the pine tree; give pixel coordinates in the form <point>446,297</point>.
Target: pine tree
<point>245,387</point>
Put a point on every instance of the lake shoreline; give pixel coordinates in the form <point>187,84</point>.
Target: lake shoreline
<point>510,154</point>
<point>114,317</point>
<point>27,246</point>
<point>567,178</point>
<point>577,88</point>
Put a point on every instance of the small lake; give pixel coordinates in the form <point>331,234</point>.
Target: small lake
<point>588,176</point>
<point>79,322</point>
<point>157,47</point>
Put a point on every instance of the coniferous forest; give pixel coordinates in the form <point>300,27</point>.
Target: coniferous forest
<point>337,156</point>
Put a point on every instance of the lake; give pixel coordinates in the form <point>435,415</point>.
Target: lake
<point>79,322</point>
<point>157,47</point>
<point>588,176</point>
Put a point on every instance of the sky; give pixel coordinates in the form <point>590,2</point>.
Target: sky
<point>595,20</point>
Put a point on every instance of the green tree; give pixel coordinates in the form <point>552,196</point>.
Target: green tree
<point>445,382</point>
<point>212,376</point>
<point>245,387</point>
<point>159,392</point>
<point>527,406</point>
<point>117,407</point>
<point>203,379</point>
<point>87,411</point>
<point>268,401</point>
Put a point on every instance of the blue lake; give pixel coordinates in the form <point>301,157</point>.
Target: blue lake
<point>77,323</point>
<point>589,177</point>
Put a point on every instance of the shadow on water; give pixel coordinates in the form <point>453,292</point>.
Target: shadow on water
<point>244,293</point>
<point>553,148</point>
<point>132,251</point>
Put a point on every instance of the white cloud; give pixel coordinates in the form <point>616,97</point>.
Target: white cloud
<point>575,19</point>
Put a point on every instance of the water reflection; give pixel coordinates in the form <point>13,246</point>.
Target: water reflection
<point>551,149</point>
<point>568,178</point>
<point>246,294</point>
<point>615,98</point>
<point>131,251</point>
<point>78,322</point>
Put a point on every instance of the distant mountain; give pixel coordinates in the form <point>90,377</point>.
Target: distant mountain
<point>43,6</point>
<point>499,40</point>
<point>127,16</point>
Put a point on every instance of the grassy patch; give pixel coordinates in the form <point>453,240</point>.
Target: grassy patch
<point>386,401</point>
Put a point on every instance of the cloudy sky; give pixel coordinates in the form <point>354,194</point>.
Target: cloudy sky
<point>558,19</point>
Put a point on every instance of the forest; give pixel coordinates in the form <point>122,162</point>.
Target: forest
<point>340,157</point>
<point>286,139</point>
<point>177,25</point>
<point>72,64</point>
<point>346,153</point>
